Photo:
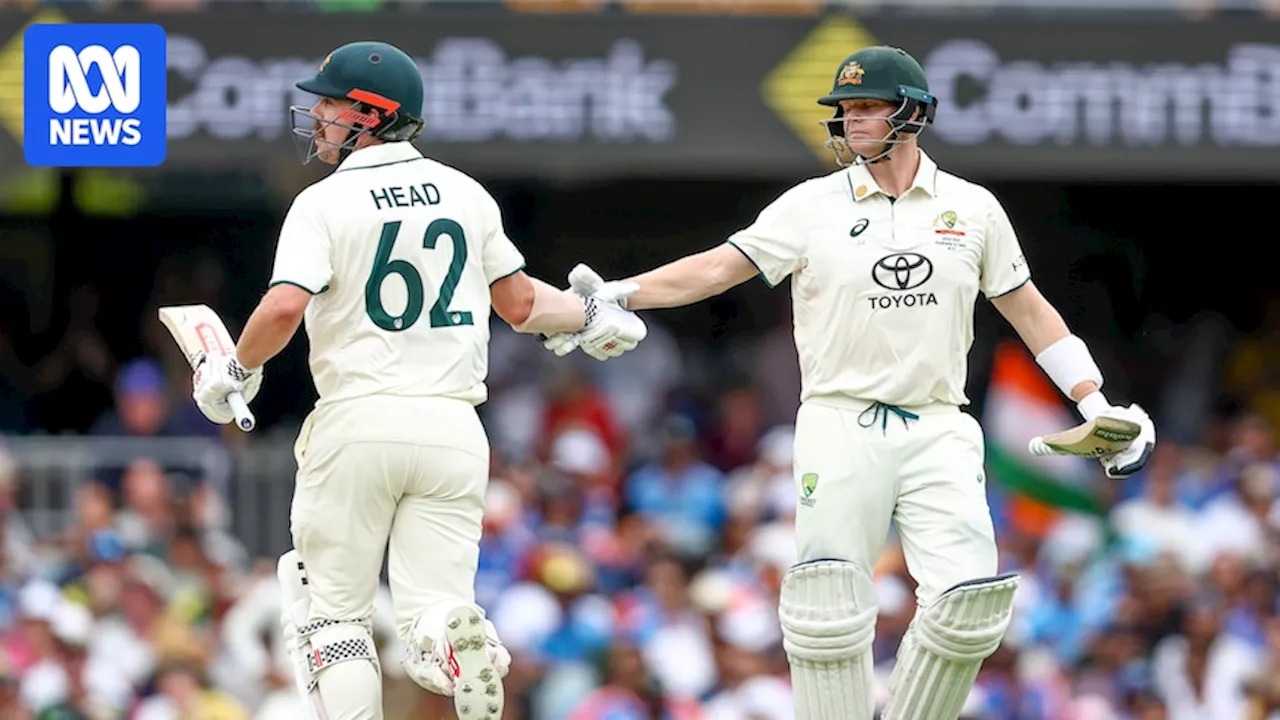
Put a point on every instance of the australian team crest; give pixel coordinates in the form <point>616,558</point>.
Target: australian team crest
<point>808,483</point>
<point>851,74</point>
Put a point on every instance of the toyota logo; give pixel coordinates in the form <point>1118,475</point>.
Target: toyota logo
<point>902,271</point>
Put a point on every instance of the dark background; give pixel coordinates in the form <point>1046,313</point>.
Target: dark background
<point>1108,255</point>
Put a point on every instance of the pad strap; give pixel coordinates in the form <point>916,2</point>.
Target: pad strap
<point>335,641</point>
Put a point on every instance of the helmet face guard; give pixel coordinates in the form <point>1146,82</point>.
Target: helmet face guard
<point>368,114</point>
<point>916,110</point>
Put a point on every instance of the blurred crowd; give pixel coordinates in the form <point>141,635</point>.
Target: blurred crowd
<point>635,537</point>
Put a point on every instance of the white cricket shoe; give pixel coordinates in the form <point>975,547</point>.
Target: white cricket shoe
<point>477,687</point>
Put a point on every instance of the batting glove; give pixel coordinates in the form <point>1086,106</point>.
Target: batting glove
<point>610,330</point>
<point>217,376</point>
<point>1134,458</point>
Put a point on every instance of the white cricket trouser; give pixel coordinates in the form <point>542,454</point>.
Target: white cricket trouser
<point>926,476</point>
<point>412,471</point>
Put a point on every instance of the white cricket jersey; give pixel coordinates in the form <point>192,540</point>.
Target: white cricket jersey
<point>883,289</point>
<point>399,252</point>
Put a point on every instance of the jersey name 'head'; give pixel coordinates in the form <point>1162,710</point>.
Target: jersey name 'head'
<point>882,100</point>
<point>367,92</point>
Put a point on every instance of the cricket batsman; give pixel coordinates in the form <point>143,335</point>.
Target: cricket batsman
<point>394,261</point>
<point>886,258</point>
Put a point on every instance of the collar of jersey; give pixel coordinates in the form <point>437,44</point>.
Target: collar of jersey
<point>382,154</point>
<point>926,179</point>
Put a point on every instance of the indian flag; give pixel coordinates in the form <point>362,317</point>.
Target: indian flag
<point>1021,404</point>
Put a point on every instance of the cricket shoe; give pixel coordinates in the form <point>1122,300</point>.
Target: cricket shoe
<point>477,688</point>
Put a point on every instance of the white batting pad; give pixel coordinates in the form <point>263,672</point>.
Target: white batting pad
<point>828,615</point>
<point>945,646</point>
<point>297,606</point>
<point>335,663</point>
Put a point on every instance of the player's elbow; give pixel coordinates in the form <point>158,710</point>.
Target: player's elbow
<point>285,304</point>
<point>512,298</point>
<point>726,267</point>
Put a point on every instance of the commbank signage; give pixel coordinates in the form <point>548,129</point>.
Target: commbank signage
<point>583,96</point>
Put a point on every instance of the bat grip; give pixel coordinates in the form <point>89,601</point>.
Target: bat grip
<point>1039,448</point>
<point>244,418</point>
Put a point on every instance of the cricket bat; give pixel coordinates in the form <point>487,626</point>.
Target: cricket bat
<point>198,329</point>
<point>1097,438</point>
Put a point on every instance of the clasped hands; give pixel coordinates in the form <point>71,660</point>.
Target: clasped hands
<point>610,329</point>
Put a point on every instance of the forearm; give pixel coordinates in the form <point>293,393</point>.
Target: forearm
<point>1062,355</point>
<point>268,331</point>
<point>1045,330</point>
<point>551,311</point>
<point>689,280</point>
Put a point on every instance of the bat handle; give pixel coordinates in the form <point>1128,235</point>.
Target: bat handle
<point>244,418</point>
<point>1039,448</point>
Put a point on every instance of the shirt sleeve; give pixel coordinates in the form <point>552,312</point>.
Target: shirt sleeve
<point>501,258</point>
<point>775,242</point>
<point>303,252</point>
<point>1004,268</point>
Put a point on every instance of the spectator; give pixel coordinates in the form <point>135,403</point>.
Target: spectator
<point>1200,673</point>
<point>732,442</point>
<point>680,494</point>
<point>1238,521</point>
<point>1157,513</point>
<point>142,407</point>
<point>575,402</point>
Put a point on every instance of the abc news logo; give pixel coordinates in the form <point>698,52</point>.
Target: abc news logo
<point>69,91</point>
<point>95,95</point>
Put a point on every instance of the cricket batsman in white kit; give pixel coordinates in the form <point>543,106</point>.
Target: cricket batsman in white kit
<point>886,258</point>
<point>394,261</point>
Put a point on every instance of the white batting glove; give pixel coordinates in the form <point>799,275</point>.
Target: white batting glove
<point>610,331</point>
<point>1134,458</point>
<point>217,376</point>
<point>613,333</point>
<point>585,281</point>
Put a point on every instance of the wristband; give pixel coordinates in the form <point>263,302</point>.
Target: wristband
<point>1068,363</point>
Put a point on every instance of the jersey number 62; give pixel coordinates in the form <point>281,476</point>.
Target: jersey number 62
<point>440,314</point>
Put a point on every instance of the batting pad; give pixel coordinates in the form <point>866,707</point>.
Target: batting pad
<point>828,615</point>
<point>943,650</point>
<point>331,686</point>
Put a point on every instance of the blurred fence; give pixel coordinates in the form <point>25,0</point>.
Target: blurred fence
<point>255,482</point>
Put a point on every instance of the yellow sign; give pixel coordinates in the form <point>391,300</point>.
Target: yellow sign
<point>11,73</point>
<point>792,88</point>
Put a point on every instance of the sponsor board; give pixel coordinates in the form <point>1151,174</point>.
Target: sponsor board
<point>588,96</point>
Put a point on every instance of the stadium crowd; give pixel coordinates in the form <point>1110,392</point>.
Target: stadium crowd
<point>634,542</point>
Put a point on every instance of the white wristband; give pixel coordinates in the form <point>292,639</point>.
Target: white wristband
<point>1068,363</point>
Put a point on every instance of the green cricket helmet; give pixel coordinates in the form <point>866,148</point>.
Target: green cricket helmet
<point>384,87</point>
<point>881,73</point>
